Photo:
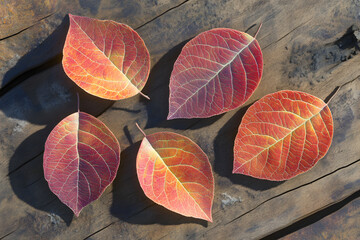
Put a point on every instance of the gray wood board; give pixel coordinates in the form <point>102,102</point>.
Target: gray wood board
<point>300,42</point>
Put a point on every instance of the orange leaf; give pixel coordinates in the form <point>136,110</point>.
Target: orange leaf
<point>105,58</point>
<point>282,135</point>
<point>174,172</point>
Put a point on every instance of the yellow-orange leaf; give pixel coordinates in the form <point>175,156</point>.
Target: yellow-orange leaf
<point>105,58</point>
<point>174,172</point>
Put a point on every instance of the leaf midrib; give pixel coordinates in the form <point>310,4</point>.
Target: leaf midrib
<point>281,139</point>
<point>216,74</point>
<point>78,158</point>
<point>168,169</point>
<point>105,55</point>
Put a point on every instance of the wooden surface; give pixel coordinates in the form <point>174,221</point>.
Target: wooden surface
<point>307,46</point>
<point>341,224</point>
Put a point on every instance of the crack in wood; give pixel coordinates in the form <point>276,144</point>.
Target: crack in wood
<point>24,29</point>
<point>32,183</point>
<point>312,218</point>
<point>331,95</point>
<point>190,125</point>
<point>348,82</point>
<point>134,215</point>
<point>48,203</point>
<point>158,16</point>
<point>22,77</point>
<point>23,164</point>
<point>287,34</point>
<point>140,211</point>
<point>29,73</point>
<point>293,189</point>
<point>99,230</point>
<point>306,184</point>
<point>6,235</point>
<point>336,89</point>
<point>57,59</point>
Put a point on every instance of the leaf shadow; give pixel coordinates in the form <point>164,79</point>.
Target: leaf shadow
<point>46,55</point>
<point>157,88</point>
<point>37,84</point>
<point>38,92</point>
<point>224,155</point>
<point>129,201</point>
<point>28,182</point>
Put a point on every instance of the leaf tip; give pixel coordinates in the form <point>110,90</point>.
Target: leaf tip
<point>76,211</point>
<point>170,116</point>
<point>207,217</point>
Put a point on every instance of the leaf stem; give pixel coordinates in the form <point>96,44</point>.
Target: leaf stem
<point>145,96</point>
<point>258,30</point>
<point>140,129</point>
<point>78,102</point>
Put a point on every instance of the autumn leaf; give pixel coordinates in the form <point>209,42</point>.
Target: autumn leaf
<point>105,58</point>
<point>81,159</point>
<point>174,172</point>
<point>216,72</point>
<point>282,135</point>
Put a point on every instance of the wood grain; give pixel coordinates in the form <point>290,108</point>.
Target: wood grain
<point>33,32</point>
<point>19,15</point>
<point>299,42</point>
<point>329,227</point>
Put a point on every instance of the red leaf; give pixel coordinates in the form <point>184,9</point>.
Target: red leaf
<point>216,72</point>
<point>282,135</point>
<point>174,172</point>
<point>81,159</point>
<point>105,58</point>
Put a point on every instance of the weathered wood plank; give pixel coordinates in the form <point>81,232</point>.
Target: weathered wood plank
<point>33,32</point>
<point>152,34</point>
<point>285,209</point>
<point>19,15</point>
<point>253,193</point>
<point>290,51</point>
<point>126,186</point>
<point>342,224</point>
<point>34,105</point>
<point>30,111</point>
<point>274,214</point>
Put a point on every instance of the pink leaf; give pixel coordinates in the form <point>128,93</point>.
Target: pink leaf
<point>216,72</point>
<point>81,159</point>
